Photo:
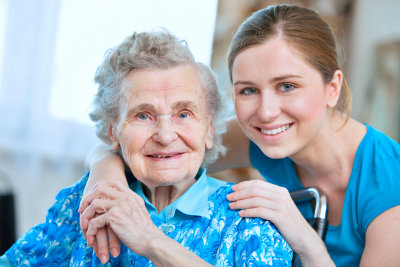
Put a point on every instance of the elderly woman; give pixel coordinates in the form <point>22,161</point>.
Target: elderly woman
<point>161,111</point>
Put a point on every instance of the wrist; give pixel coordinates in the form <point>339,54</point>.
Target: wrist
<point>166,252</point>
<point>158,247</point>
<point>314,251</point>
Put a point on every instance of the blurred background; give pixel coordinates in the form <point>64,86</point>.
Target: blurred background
<point>49,51</point>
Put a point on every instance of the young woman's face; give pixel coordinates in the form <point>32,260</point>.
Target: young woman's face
<point>281,101</point>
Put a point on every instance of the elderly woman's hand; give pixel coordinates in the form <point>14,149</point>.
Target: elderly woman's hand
<point>124,212</point>
<point>105,239</point>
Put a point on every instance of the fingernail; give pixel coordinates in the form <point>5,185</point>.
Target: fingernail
<point>114,252</point>
<point>103,258</point>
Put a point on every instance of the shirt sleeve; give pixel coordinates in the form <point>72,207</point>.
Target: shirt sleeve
<point>260,244</point>
<point>4,261</point>
<point>51,242</point>
<point>379,190</point>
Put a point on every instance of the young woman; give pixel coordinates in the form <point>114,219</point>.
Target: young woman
<point>293,106</point>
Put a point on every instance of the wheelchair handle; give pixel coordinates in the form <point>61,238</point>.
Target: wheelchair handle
<point>308,194</point>
<point>320,221</point>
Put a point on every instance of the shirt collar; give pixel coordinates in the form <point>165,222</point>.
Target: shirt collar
<point>194,202</point>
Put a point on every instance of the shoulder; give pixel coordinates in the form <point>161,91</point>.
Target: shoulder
<point>382,146</point>
<point>248,240</point>
<point>66,204</point>
<point>218,199</point>
<point>375,182</point>
<point>378,157</point>
<point>246,226</point>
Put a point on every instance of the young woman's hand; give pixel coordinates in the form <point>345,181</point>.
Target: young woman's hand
<point>258,198</point>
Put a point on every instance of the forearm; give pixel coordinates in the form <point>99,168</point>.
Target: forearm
<point>166,252</point>
<point>314,252</point>
<point>104,165</point>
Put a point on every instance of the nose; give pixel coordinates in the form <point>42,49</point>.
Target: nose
<point>269,107</point>
<point>165,132</point>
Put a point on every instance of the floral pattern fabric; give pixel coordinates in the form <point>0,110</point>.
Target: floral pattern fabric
<point>225,239</point>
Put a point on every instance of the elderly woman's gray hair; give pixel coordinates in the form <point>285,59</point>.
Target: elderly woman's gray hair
<point>147,51</point>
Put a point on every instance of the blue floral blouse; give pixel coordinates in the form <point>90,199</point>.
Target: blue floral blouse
<point>222,238</point>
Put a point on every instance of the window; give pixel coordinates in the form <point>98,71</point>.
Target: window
<point>3,24</point>
<point>84,33</point>
<point>52,55</point>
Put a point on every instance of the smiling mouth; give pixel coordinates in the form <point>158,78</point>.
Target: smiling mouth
<point>276,130</point>
<point>164,156</point>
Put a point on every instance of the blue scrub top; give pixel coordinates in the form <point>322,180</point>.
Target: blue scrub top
<point>373,188</point>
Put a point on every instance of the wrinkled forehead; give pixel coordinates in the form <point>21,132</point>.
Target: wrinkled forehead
<point>163,88</point>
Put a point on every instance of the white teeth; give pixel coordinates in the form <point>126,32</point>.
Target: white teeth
<point>276,130</point>
<point>159,156</point>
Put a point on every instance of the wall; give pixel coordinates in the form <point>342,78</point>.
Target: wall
<point>374,23</point>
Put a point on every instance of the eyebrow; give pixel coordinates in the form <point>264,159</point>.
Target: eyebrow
<point>185,104</point>
<point>151,107</point>
<point>284,77</point>
<point>137,109</point>
<point>275,79</point>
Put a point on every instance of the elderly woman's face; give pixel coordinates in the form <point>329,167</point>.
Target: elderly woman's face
<point>164,126</point>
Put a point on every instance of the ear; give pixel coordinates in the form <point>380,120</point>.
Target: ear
<point>333,89</point>
<point>113,137</point>
<point>210,135</point>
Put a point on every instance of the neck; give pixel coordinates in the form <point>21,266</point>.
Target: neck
<point>328,160</point>
<point>162,196</point>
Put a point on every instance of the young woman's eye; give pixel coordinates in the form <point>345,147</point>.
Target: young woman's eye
<point>287,87</point>
<point>248,91</point>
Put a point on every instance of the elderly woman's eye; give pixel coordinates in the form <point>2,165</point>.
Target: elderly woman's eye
<point>248,91</point>
<point>143,116</point>
<point>183,115</point>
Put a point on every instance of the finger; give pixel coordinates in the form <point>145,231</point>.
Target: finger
<point>252,192</point>
<point>94,245</point>
<point>258,188</point>
<point>94,225</point>
<point>254,183</point>
<point>264,213</point>
<point>102,245</point>
<point>120,186</point>
<point>255,202</point>
<point>83,230</point>
<point>103,190</point>
<point>114,242</point>
<point>97,206</point>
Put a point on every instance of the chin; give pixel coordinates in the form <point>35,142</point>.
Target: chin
<point>275,153</point>
<point>165,178</point>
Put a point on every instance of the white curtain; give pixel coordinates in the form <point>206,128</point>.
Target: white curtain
<point>38,153</point>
